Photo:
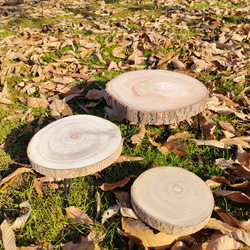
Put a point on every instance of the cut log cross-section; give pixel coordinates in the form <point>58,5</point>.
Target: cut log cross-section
<point>156,97</point>
<point>75,146</point>
<point>172,200</point>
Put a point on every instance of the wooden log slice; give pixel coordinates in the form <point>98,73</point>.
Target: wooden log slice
<point>156,96</point>
<point>75,146</point>
<point>172,200</point>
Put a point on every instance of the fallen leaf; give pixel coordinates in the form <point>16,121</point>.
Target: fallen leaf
<point>85,243</point>
<point>8,236</point>
<point>227,126</point>
<point>179,245</point>
<point>38,183</point>
<point>117,52</point>
<point>33,102</point>
<point>176,148</point>
<point>138,229</point>
<point>207,126</point>
<point>110,212</point>
<point>177,63</point>
<point>183,135</point>
<point>124,158</point>
<point>7,180</point>
<point>98,204</point>
<point>213,143</point>
<point>20,221</point>
<point>216,181</point>
<point>222,242</point>
<point>110,186</point>
<point>136,139</point>
<point>230,220</point>
<point>236,196</point>
<point>95,94</point>
<point>76,215</point>
<point>237,234</point>
<point>123,197</point>
<point>235,141</point>
<point>243,157</point>
<point>128,212</point>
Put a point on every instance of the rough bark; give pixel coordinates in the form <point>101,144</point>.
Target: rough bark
<point>156,96</point>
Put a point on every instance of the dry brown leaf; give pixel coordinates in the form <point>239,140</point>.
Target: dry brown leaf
<point>216,181</point>
<point>224,110</point>
<point>5,100</point>
<point>85,243</point>
<point>8,236</point>
<point>238,169</point>
<point>162,148</point>
<point>30,248</point>
<point>79,75</point>
<point>110,212</point>
<point>117,52</point>
<point>148,238</point>
<point>58,107</point>
<point>20,221</point>
<point>222,242</point>
<point>12,117</point>
<point>176,148</point>
<point>207,126</point>
<point>237,234</point>
<point>111,186</point>
<point>166,58</point>
<point>123,197</point>
<point>38,183</point>
<point>16,173</point>
<point>132,238</point>
<point>128,212</point>
<point>124,158</point>
<point>243,157</point>
<point>76,215</point>
<point>95,94</point>
<point>113,66</point>
<point>179,245</point>
<point>230,220</point>
<point>235,141</point>
<point>183,135</point>
<point>213,143</point>
<point>236,196</point>
<point>37,103</point>
<point>136,139</point>
<point>227,126</point>
<point>177,64</point>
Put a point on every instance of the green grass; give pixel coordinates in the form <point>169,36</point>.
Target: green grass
<point>48,221</point>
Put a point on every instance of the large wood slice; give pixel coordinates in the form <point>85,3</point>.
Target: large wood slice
<point>172,200</point>
<point>75,146</point>
<point>156,96</point>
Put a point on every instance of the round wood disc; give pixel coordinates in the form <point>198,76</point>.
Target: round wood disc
<point>172,200</point>
<point>156,96</point>
<point>75,146</point>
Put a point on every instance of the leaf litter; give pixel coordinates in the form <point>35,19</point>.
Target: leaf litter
<point>215,47</point>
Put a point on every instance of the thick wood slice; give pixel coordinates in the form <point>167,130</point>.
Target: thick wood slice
<point>75,146</point>
<point>172,200</point>
<point>156,96</point>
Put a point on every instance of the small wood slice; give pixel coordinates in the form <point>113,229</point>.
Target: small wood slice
<point>172,200</point>
<point>75,146</point>
<point>156,96</point>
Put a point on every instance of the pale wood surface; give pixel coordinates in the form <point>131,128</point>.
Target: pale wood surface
<point>75,146</point>
<point>156,96</point>
<point>172,200</point>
